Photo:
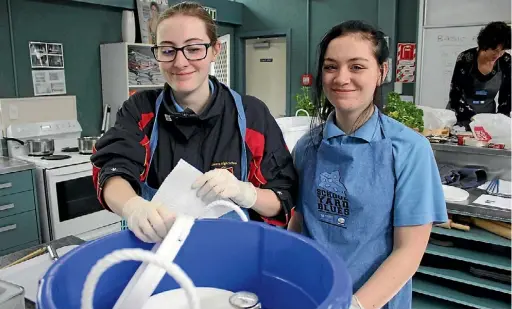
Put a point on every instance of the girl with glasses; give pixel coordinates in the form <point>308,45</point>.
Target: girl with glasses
<point>234,140</point>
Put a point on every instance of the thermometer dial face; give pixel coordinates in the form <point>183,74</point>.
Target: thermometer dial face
<point>244,300</point>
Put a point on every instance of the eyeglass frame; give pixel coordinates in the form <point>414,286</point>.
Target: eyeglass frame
<point>182,49</point>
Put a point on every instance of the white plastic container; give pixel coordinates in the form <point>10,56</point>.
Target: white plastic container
<point>294,128</point>
<point>11,296</point>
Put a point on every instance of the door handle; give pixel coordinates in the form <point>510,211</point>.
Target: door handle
<point>7,206</point>
<point>7,228</point>
<point>6,185</point>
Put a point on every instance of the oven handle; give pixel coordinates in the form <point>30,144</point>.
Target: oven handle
<point>6,206</point>
<point>7,228</point>
<point>5,185</point>
<point>73,173</point>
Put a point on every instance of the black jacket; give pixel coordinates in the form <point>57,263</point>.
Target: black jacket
<point>206,141</point>
<point>466,68</point>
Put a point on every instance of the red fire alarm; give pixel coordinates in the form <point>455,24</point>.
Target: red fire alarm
<point>307,80</point>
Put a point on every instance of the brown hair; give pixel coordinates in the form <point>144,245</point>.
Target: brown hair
<point>193,9</point>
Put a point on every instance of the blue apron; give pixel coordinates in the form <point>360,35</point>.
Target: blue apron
<point>347,194</point>
<point>148,192</point>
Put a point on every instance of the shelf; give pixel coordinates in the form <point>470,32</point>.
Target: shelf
<point>145,86</point>
<point>443,292</point>
<point>474,257</point>
<point>420,301</point>
<point>475,234</point>
<point>466,278</point>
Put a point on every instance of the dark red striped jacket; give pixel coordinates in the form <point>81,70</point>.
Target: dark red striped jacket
<point>207,141</point>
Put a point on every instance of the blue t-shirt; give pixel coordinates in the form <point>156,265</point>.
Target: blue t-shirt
<point>404,190</point>
<point>419,196</point>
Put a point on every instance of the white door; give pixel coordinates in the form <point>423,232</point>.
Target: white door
<point>221,68</point>
<point>265,72</point>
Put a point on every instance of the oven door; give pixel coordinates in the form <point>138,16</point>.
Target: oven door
<point>72,202</point>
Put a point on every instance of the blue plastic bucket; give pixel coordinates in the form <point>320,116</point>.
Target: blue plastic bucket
<point>285,270</point>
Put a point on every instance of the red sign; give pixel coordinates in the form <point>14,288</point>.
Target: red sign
<point>406,51</point>
<point>405,62</point>
<point>307,80</point>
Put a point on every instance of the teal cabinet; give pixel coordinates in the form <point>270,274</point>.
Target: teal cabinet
<point>19,216</point>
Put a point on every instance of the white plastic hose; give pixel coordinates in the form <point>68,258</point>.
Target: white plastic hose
<point>122,255</point>
<point>228,204</point>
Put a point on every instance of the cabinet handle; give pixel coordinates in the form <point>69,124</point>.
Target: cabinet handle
<point>5,185</point>
<point>7,228</point>
<point>7,206</point>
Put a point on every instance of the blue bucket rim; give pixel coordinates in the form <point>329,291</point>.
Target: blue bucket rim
<point>336,262</point>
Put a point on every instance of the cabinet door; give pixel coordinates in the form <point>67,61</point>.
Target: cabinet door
<point>18,229</point>
<point>15,182</point>
<point>13,204</point>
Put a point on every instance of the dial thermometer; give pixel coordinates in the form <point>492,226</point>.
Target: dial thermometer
<point>244,300</point>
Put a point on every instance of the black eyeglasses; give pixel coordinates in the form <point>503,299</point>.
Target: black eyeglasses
<point>191,52</point>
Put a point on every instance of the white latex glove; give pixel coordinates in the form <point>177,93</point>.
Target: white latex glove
<point>221,184</point>
<point>355,303</point>
<point>149,221</point>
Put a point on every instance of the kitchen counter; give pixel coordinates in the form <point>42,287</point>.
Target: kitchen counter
<point>10,165</point>
<point>496,162</point>
<point>471,150</point>
<point>58,243</point>
<point>467,208</point>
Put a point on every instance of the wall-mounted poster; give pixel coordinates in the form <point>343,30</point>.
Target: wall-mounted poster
<point>46,55</point>
<point>48,82</point>
<point>148,12</point>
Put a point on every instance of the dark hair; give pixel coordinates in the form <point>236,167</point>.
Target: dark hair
<point>493,35</point>
<point>154,4</point>
<point>376,37</point>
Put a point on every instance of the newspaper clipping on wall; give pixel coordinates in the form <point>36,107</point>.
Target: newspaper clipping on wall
<point>148,12</point>
<point>48,82</point>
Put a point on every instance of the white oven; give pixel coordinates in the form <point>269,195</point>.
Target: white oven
<point>66,194</point>
<point>72,204</point>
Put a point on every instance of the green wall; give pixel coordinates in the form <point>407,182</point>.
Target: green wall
<point>6,69</point>
<point>326,14</point>
<point>265,15</point>
<point>408,30</point>
<point>81,28</point>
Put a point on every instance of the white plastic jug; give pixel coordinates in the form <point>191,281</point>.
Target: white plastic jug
<point>294,128</point>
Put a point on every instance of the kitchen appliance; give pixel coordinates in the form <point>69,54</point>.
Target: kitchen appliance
<point>86,144</point>
<point>67,199</point>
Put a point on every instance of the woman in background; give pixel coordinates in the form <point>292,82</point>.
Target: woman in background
<point>369,187</point>
<point>480,73</point>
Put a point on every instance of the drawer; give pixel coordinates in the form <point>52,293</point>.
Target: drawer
<point>16,203</point>
<point>20,247</point>
<point>18,229</point>
<point>15,182</point>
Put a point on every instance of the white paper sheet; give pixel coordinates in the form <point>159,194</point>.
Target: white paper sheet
<point>494,201</point>
<point>177,194</point>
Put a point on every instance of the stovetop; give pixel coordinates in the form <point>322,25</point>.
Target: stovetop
<point>40,161</point>
<point>65,134</point>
